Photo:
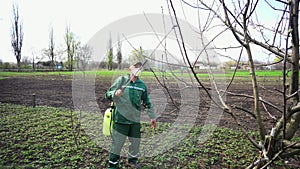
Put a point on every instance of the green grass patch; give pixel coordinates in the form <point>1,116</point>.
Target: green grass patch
<point>4,75</point>
<point>43,137</point>
<point>101,73</point>
<point>257,73</point>
<point>227,73</point>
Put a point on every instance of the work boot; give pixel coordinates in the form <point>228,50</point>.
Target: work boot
<point>113,165</point>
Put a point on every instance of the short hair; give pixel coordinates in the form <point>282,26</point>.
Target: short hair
<point>138,64</point>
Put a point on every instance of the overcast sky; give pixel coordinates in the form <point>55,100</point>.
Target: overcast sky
<point>84,17</point>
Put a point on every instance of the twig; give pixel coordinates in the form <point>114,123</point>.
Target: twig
<point>277,155</point>
<point>186,57</point>
<point>273,117</point>
<point>166,88</point>
<point>252,140</point>
<point>262,100</point>
<point>235,70</point>
<point>245,110</point>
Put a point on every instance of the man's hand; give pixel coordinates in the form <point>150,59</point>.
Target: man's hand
<point>118,92</point>
<point>153,123</point>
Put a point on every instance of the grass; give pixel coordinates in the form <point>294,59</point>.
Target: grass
<point>44,137</point>
<point>242,76</point>
<point>229,73</point>
<point>267,73</point>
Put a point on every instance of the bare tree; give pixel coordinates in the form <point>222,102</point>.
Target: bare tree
<point>137,55</point>
<point>83,56</point>
<point>51,47</point>
<point>241,19</point>
<point>17,35</point>
<point>110,55</point>
<point>119,53</point>
<point>49,52</point>
<point>71,47</point>
<point>33,54</point>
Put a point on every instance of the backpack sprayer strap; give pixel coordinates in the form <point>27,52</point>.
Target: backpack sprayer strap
<point>113,106</point>
<point>112,109</point>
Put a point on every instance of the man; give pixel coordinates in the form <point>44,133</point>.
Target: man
<point>129,93</point>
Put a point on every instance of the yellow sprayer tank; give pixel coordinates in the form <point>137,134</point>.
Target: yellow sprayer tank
<point>107,123</point>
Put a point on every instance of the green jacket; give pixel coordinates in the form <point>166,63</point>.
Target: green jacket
<point>129,104</point>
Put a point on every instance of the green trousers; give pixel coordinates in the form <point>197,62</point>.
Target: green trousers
<point>119,134</point>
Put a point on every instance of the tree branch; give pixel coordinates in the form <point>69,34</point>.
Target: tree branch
<point>262,100</point>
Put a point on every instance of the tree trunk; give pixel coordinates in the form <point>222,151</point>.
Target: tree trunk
<point>293,123</point>
<point>295,50</point>
<point>19,64</point>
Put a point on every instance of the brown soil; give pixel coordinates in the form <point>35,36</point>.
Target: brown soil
<point>57,92</point>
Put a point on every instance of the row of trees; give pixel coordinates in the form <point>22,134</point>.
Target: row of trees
<point>77,54</point>
<point>136,55</point>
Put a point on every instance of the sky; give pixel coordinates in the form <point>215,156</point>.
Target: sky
<point>85,19</point>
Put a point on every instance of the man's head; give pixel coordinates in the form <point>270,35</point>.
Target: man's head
<point>138,64</point>
<point>136,70</point>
